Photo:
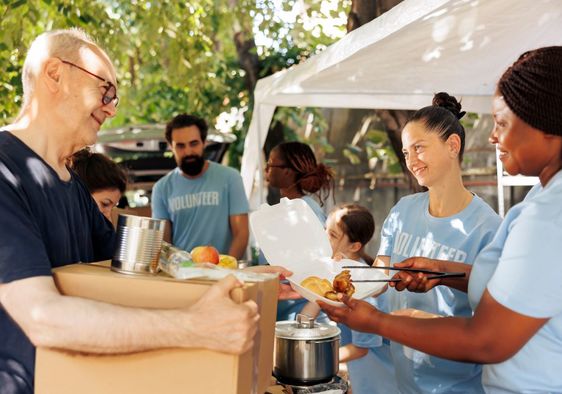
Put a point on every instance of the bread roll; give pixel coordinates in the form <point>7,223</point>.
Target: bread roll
<point>317,285</point>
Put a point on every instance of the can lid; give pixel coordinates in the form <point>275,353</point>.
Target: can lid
<point>305,328</point>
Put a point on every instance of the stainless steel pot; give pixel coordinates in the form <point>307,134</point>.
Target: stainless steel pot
<point>306,352</point>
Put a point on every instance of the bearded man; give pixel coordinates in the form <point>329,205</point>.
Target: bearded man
<point>204,201</point>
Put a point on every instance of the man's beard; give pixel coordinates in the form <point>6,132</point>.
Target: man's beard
<point>192,165</point>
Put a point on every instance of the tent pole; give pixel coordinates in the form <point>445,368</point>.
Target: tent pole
<point>258,155</point>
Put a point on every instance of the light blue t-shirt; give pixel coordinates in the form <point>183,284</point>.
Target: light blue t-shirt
<point>374,372</point>
<point>410,230</point>
<point>318,211</point>
<point>522,270</point>
<point>200,208</point>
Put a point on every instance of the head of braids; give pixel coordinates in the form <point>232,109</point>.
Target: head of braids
<point>310,176</point>
<point>532,89</point>
<point>443,117</point>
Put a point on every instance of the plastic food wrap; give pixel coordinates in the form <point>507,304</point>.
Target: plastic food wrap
<point>179,264</point>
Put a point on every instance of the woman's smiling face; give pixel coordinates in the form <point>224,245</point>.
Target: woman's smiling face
<point>522,148</point>
<point>427,156</point>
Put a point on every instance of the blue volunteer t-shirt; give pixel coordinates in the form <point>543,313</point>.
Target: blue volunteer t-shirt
<point>522,270</point>
<point>45,223</point>
<point>374,372</point>
<point>318,211</point>
<point>410,230</point>
<point>200,208</point>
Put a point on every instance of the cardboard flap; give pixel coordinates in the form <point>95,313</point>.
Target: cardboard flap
<point>89,280</point>
<point>290,234</point>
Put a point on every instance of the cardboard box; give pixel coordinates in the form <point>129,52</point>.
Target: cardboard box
<point>160,371</point>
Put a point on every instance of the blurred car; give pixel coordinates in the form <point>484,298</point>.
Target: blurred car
<point>145,154</point>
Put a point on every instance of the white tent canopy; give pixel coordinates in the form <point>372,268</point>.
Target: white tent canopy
<point>400,59</point>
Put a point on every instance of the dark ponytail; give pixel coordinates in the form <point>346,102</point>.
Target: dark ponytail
<point>443,117</point>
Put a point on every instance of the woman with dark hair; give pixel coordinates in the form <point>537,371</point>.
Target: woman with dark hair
<point>514,284</point>
<point>105,180</point>
<point>293,169</point>
<point>446,222</point>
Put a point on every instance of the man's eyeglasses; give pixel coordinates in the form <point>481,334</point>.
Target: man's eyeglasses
<point>110,93</point>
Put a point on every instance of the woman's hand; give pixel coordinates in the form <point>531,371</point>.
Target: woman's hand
<point>416,281</point>
<point>356,314</point>
<point>286,292</point>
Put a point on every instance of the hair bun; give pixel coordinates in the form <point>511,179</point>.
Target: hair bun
<point>450,103</point>
<point>316,179</point>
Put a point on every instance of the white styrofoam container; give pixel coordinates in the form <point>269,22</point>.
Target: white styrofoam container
<point>290,235</point>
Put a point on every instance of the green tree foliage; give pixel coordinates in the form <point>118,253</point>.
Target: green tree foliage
<point>173,56</point>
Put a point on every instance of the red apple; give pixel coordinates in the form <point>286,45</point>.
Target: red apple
<point>205,254</point>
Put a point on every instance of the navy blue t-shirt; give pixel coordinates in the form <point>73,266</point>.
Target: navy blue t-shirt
<point>44,223</point>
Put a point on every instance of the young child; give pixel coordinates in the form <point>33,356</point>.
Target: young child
<point>350,227</point>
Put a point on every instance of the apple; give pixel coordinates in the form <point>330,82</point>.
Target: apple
<point>205,254</point>
<point>227,261</point>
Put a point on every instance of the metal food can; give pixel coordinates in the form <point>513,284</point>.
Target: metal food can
<point>139,240</point>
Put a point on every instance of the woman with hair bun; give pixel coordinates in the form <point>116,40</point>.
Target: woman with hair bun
<point>446,222</point>
<point>293,169</point>
<point>514,285</point>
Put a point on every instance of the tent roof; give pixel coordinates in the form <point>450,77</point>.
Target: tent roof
<point>400,59</point>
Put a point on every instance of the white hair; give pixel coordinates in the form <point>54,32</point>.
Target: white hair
<point>64,44</point>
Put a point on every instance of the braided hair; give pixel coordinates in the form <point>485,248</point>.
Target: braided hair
<point>532,88</point>
<point>311,176</point>
<point>443,117</point>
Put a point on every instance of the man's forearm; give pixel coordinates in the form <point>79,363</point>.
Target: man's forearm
<point>240,233</point>
<point>238,246</point>
<point>97,327</point>
<point>52,320</point>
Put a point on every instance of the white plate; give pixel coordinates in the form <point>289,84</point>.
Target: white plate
<point>326,268</point>
<point>291,235</point>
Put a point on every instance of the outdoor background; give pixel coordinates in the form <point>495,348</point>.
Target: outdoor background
<point>205,56</point>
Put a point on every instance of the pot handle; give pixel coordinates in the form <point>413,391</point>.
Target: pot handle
<point>305,321</point>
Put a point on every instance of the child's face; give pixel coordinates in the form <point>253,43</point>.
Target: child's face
<point>339,241</point>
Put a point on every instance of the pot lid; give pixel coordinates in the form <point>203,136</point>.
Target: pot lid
<point>305,328</point>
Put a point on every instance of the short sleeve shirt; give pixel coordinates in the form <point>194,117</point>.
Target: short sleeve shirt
<point>45,222</point>
<point>200,208</point>
<point>410,230</point>
<point>522,270</point>
<point>374,372</point>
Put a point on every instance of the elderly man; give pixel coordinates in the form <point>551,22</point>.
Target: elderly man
<point>49,219</point>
